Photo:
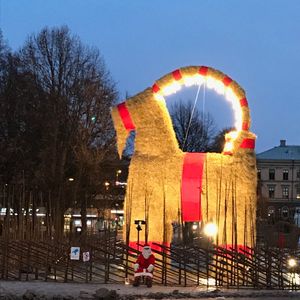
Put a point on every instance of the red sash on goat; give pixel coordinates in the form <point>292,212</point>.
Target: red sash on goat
<point>191,186</point>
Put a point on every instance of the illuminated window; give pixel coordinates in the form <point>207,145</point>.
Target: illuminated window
<point>285,175</point>
<point>272,174</point>
<point>271,191</point>
<point>77,222</point>
<point>298,193</point>
<point>285,192</point>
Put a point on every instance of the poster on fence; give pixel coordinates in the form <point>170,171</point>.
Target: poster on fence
<point>86,256</point>
<point>75,253</point>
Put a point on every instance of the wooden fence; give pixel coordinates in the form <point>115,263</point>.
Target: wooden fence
<point>111,261</point>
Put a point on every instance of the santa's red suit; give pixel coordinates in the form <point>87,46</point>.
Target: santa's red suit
<point>144,266</point>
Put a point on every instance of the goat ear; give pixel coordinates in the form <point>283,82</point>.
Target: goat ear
<point>121,132</point>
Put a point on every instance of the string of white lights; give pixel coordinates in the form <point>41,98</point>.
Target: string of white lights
<point>191,117</point>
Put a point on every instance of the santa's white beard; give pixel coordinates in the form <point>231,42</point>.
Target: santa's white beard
<point>146,253</point>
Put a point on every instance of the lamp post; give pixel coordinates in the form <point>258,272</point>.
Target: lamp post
<point>139,228</point>
<point>210,230</point>
<point>292,264</point>
<point>69,220</point>
<point>106,185</point>
<point>117,174</point>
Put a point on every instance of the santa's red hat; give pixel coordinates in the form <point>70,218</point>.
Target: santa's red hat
<point>146,246</point>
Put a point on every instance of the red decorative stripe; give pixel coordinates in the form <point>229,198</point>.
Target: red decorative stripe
<point>153,244</point>
<point>245,126</point>
<point>248,144</point>
<point>125,116</point>
<point>227,80</point>
<point>203,71</point>
<point>155,88</point>
<point>244,102</point>
<point>191,186</point>
<point>177,74</point>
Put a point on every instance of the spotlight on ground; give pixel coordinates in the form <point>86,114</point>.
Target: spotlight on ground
<point>292,262</point>
<point>210,229</point>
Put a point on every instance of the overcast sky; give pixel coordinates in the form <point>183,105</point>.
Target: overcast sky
<point>255,42</point>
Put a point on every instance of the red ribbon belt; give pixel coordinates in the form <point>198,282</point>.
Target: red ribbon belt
<point>191,186</point>
<point>125,116</point>
<point>248,143</point>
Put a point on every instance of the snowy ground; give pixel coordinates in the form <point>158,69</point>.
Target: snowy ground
<point>52,290</point>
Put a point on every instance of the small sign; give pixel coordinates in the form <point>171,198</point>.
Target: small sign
<point>86,256</point>
<point>75,253</point>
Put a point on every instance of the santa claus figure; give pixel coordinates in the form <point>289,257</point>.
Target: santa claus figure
<point>144,267</point>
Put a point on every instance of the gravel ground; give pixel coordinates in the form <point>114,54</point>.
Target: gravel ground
<point>52,290</point>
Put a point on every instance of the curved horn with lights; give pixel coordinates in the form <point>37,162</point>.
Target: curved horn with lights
<point>223,85</point>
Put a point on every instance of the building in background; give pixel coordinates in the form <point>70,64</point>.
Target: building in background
<point>279,183</point>
<point>278,172</point>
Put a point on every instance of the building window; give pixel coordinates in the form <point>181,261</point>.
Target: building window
<point>271,191</point>
<point>285,175</point>
<point>285,212</point>
<point>298,174</point>
<point>298,193</point>
<point>271,174</point>
<point>285,192</point>
<point>258,174</point>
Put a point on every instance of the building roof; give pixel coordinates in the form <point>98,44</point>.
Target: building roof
<point>281,152</point>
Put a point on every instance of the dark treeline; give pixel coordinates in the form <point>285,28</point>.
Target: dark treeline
<point>55,99</point>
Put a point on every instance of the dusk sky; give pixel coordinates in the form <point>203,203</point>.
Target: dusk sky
<point>257,43</point>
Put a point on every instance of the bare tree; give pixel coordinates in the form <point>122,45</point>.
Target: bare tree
<point>72,113</point>
<point>4,53</point>
<point>10,115</point>
<point>194,130</point>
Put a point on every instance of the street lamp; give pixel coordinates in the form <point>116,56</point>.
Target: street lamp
<point>293,277</point>
<point>210,229</point>
<point>194,227</point>
<point>139,228</point>
<point>107,212</point>
<point>292,262</point>
<point>118,172</point>
<point>106,184</point>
